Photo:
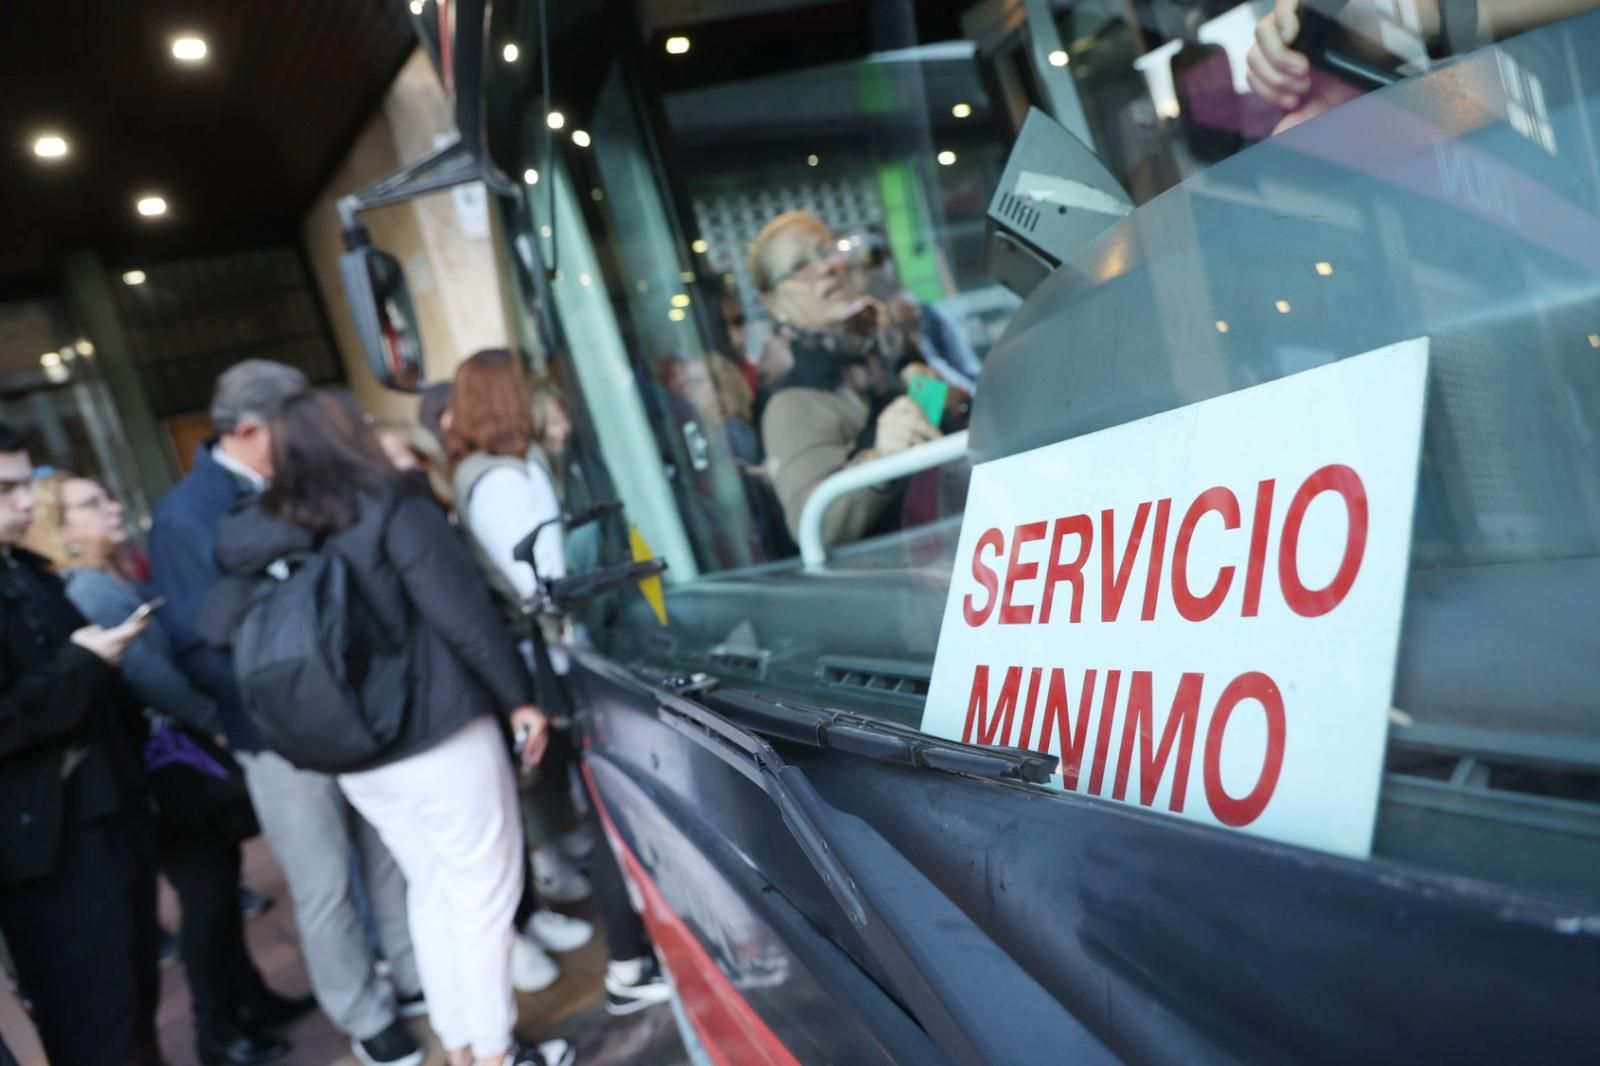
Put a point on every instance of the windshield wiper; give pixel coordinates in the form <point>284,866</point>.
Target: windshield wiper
<point>860,735</point>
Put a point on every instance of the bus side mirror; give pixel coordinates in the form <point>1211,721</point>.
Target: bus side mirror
<point>386,320</point>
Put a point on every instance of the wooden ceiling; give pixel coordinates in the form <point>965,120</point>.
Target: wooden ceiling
<point>239,145</point>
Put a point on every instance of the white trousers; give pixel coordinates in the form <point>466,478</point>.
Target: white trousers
<point>450,818</point>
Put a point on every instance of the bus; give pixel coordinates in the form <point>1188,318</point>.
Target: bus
<point>1216,677</point>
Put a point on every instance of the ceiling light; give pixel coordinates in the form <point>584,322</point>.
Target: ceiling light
<point>677,314</point>
<point>812,160</point>
<point>580,138</point>
<point>189,49</point>
<point>1594,340</point>
<point>1325,269</point>
<point>151,206</point>
<point>585,279</point>
<point>133,277</point>
<point>680,300</point>
<point>1058,58</point>
<point>596,195</point>
<point>416,7</point>
<point>844,244</point>
<point>1222,327</point>
<point>84,346</point>
<point>676,46</point>
<point>699,245</point>
<point>687,277</point>
<point>961,110</point>
<point>510,53</point>
<point>545,231</point>
<point>49,359</point>
<point>530,177</point>
<point>50,146</point>
<point>946,157</point>
<point>555,120</point>
<point>1283,307</point>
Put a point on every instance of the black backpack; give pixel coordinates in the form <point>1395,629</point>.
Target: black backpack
<point>320,676</point>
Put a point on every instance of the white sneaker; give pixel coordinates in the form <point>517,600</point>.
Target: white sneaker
<point>531,969</point>
<point>557,931</point>
<point>634,984</point>
<point>556,879</point>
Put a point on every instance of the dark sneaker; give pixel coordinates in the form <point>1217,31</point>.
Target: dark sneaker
<point>229,1045</point>
<point>634,984</point>
<point>253,904</point>
<point>549,1053</point>
<point>413,1006</point>
<point>268,1010</point>
<point>392,1047</point>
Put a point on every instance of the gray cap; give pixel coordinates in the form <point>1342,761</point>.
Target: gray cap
<point>255,388</point>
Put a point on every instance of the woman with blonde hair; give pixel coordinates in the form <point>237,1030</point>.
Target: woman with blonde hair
<point>203,812</point>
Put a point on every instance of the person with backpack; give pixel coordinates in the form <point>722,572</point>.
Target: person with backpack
<point>365,645</point>
<point>505,439</point>
<point>323,846</point>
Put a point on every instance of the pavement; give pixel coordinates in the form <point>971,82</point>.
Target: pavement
<point>572,1008</point>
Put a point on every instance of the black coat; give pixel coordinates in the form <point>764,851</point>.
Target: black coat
<point>411,567</point>
<point>54,696</point>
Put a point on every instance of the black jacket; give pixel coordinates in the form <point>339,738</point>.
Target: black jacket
<point>411,567</point>
<point>55,698</point>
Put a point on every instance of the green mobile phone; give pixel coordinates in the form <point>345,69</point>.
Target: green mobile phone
<point>930,394</point>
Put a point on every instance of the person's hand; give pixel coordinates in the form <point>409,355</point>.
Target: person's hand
<point>903,425</point>
<point>1276,72</point>
<point>537,726</point>
<point>109,644</point>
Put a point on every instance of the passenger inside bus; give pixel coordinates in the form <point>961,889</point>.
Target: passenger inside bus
<point>842,400</point>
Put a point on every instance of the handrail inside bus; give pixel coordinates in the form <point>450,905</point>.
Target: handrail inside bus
<point>873,472</point>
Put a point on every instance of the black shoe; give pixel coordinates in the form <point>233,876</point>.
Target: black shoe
<point>634,985</point>
<point>268,1010</point>
<point>253,904</point>
<point>229,1045</point>
<point>549,1053</point>
<point>392,1047</point>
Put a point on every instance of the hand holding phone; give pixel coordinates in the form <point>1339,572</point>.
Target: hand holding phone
<point>145,610</point>
<point>930,393</point>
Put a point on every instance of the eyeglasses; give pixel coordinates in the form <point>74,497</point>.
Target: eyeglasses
<point>97,502</point>
<point>821,254</point>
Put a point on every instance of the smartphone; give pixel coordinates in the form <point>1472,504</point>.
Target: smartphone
<point>145,610</point>
<point>930,394</point>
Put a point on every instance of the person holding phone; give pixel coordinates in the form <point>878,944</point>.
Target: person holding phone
<point>838,404</point>
<point>77,866</point>
<point>203,812</point>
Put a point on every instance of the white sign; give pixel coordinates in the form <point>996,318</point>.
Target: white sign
<point>1199,611</point>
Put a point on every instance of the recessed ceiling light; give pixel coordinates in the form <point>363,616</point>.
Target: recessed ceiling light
<point>188,49</point>
<point>50,359</point>
<point>530,177</point>
<point>1325,269</point>
<point>585,280</point>
<point>961,110</point>
<point>151,206</point>
<point>596,195</point>
<point>50,146</point>
<point>946,158</point>
<point>676,46</point>
<point>700,245</point>
<point>84,346</point>
<point>677,314</point>
<point>416,7</point>
<point>1594,340</point>
<point>812,160</point>
<point>580,138</point>
<point>1283,307</point>
<point>1222,327</point>
<point>680,300</point>
<point>555,120</point>
<point>1058,58</point>
<point>510,53</point>
<point>545,231</point>
<point>133,277</point>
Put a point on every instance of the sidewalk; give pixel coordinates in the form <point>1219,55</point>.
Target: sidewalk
<point>572,1007</point>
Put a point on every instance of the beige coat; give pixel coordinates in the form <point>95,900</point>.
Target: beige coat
<point>810,434</point>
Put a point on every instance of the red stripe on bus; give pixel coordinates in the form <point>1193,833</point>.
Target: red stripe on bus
<point>730,1030</point>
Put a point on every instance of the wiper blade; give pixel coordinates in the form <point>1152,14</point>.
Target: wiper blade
<point>870,737</point>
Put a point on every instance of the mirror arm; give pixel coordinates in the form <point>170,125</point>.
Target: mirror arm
<point>443,168</point>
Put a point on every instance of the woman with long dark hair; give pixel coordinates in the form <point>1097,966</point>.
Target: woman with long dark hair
<point>441,794</point>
